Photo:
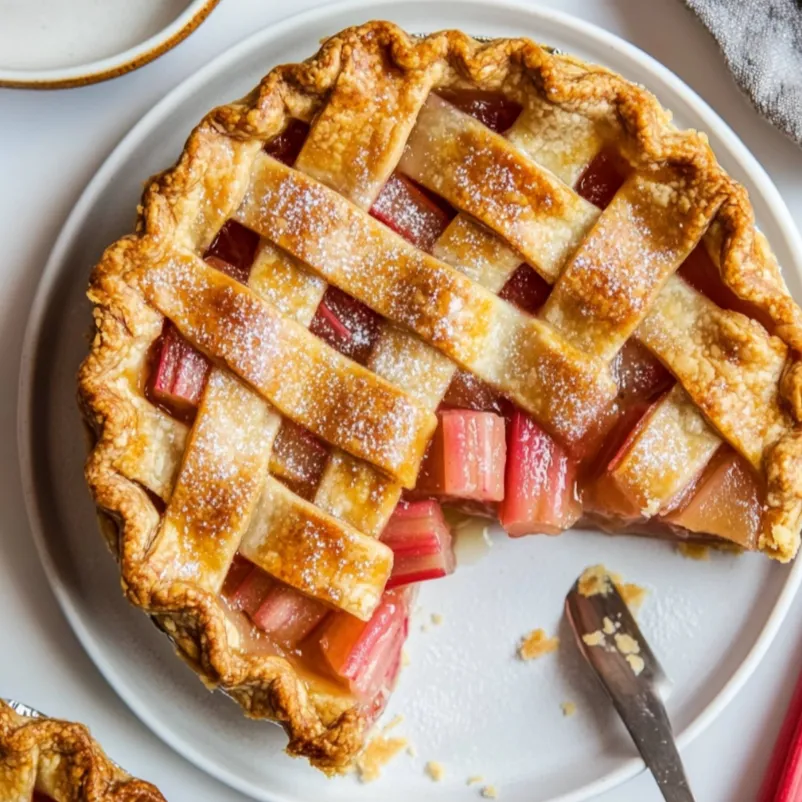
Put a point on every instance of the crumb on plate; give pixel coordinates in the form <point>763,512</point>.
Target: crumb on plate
<point>475,780</point>
<point>397,719</point>
<point>568,708</point>
<point>632,594</point>
<point>489,792</point>
<point>435,770</point>
<point>376,755</point>
<point>536,644</point>
<point>694,551</point>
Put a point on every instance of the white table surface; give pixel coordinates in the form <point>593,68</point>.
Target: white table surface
<point>51,143</point>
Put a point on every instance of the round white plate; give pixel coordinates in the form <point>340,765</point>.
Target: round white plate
<point>49,44</point>
<point>468,703</point>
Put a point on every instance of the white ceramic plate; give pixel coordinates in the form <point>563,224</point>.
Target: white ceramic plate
<point>467,702</point>
<point>50,44</point>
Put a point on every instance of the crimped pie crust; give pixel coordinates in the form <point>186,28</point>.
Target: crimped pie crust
<point>60,759</point>
<point>187,205</point>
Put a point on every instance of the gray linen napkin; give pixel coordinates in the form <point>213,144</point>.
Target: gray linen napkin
<point>762,43</point>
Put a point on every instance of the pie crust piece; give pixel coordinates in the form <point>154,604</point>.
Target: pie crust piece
<point>42,758</point>
<point>185,499</point>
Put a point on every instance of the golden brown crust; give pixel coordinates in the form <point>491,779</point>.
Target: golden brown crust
<point>211,175</point>
<point>61,760</point>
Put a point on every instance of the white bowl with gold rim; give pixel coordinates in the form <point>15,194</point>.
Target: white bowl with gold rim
<point>52,44</point>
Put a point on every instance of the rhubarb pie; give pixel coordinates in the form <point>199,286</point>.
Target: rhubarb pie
<point>413,273</point>
<point>44,760</point>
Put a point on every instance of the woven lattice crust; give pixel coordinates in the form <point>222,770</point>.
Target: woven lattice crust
<point>189,203</point>
<point>60,759</point>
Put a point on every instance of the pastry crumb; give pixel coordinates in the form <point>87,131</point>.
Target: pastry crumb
<point>411,751</point>
<point>636,663</point>
<point>568,708</point>
<point>596,580</point>
<point>608,627</point>
<point>536,644</point>
<point>405,661</point>
<point>626,644</point>
<point>376,755</point>
<point>475,780</point>
<point>393,723</point>
<point>437,619</point>
<point>594,638</point>
<point>489,792</point>
<point>694,551</point>
<point>435,770</point>
<point>632,594</point>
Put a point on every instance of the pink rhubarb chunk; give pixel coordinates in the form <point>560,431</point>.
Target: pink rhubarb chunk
<point>410,212</point>
<point>287,615</point>
<point>540,493</point>
<point>180,374</point>
<point>254,585</point>
<point>346,324</point>
<point>727,503</point>
<point>421,542</point>
<point>367,654</point>
<point>466,457</point>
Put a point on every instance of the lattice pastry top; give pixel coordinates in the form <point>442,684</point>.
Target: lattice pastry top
<point>45,760</point>
<point>502,255</point>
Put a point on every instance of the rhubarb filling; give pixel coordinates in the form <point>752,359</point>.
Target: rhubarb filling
<point>487,455</point>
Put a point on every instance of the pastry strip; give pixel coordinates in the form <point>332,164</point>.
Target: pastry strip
<point>340,401</point>
<point>520,356</point>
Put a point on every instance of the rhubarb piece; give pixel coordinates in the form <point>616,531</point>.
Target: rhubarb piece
<point>410,212</point>
<point>252,591</point>
<point>602,178</point>
<point>494,110</point>
<point>233,250</point>
<point>466,456</point>
<point>346,324</point>
<point>526,289</point>
<point>787,750</point>
<point>789,786</point>
<point>298,458</point>
<point>339,329</point>
<point>663,456</point>
<point>287,615</point>
<point>367,654</point>
<point>727,504</point>
<point>379,701</point>
<point>639,375</point>
<point>641,379</point>
<point>540,478</point>
<point>611,488</point>
<point>179,377</point>
<point>238,572</point>
<point>421,543</point>
<point>701,273</point>
<point>287,145</point>
<point>468,392</point>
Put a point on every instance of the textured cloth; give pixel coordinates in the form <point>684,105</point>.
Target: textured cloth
<point>762,43</point>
